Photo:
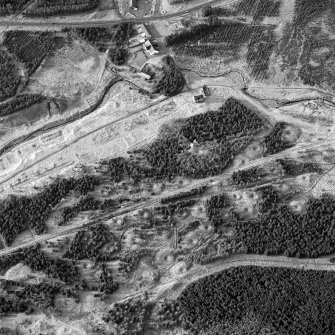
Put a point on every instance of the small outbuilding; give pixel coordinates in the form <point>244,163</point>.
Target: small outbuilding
<point>149,48</point>
<point>206,90</point>
<point>133,4</point>
<point>145,75</point>
<point>198,98</point>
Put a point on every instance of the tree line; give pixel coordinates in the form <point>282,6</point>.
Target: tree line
<point>9,75</point>
<point>18,213</point>
<point>232,119</point>
<point>41,295</point>
<point>280,230</point>
<point>217,37</point>
<point>259,9</point>
<point>306,11</point>
<point>87,244</point>
<point>173,208</point>
<point>130,316</point>
<point>214,206</point>
<point>191,193</point>
<point>60,7</point>
<point>20,102</point>
<point>30,48</point>
<point>292,167</point>
<point>37,260</point>
<point>173,80</point>
<point>274,141</point>
<point>246,176</point>
<point>97,36</point>
<point>87,203</point>
<point>8,7</point>
<point>224,133</point>
<point>119,53</point>
<point>130,259</point>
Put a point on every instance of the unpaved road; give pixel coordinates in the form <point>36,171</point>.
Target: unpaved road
<point>165,286</point>
<point>171,285</point>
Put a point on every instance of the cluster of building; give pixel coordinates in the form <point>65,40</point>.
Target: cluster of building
<point>143,38</point>
<point>204,92</point>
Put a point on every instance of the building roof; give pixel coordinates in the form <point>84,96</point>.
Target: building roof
<point>149,48</point>
<point>206,90</point>
<point>133,3</point>
<point>147,44</point>
<point>152,51</point>
<point>199,97</point>
<point>145,75</point>
<point>142,29</point>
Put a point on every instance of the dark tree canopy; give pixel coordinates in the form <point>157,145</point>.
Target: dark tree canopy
<point>61,7</point>
<point>37,260</point>
<point>88,243</point>
<point>232,119</point>
<point>9,75</point>
<point>287,301</point>
<point>19,102</point>
<point>274,141</point>
<point>294,168</point>
<point>8,7</point>
<point>227,39</point>
<point>243,177</point>
<point>223,133</point>
<point>280,230</point>
<point>172,81</point>
<point>30,48</point>
<point>20,213</point>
